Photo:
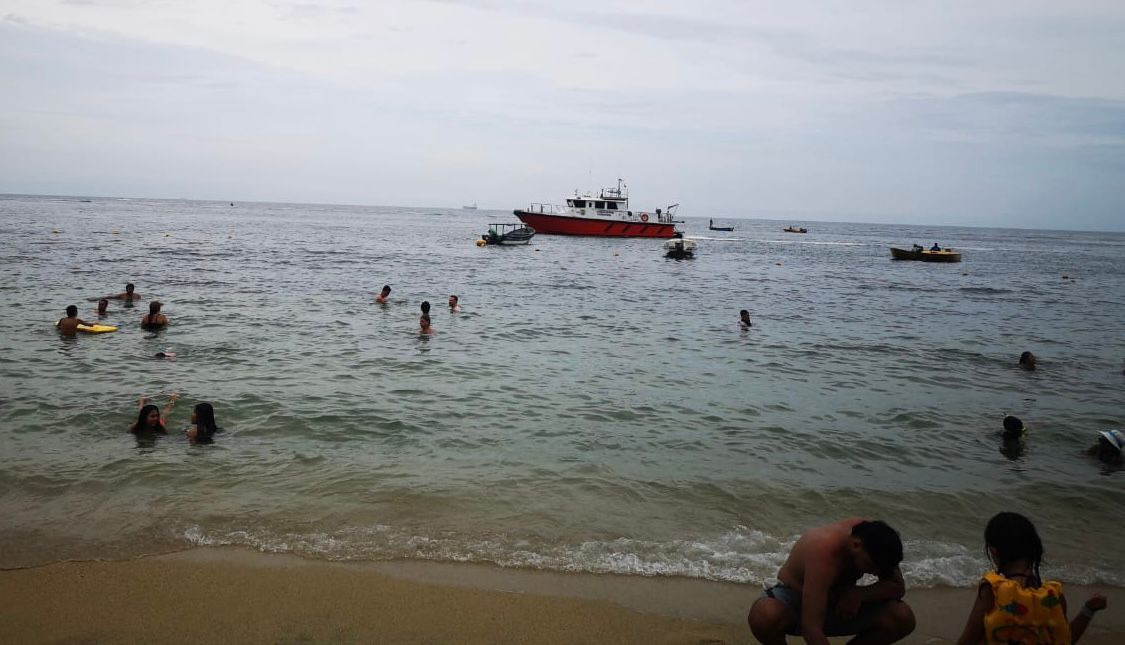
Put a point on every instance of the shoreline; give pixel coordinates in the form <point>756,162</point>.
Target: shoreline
<point>232,594</point>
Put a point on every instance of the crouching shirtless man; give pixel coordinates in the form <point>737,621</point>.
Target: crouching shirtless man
<point>817,595</point>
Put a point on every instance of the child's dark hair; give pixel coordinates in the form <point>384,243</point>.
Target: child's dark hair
<point>1013,537</point>
<point>72,310</point>
<point>205,426</point>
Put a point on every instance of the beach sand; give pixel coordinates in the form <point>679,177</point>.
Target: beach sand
<point>231,595</point>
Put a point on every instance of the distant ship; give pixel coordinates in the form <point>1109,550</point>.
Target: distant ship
<point>606,215</point>
<point>470,207</point>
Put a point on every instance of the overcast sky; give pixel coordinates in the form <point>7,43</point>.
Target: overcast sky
<point>993,113</point>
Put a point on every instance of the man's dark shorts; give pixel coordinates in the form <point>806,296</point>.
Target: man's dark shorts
<point>833,624</point>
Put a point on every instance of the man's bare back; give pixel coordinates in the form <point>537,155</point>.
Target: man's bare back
<point>822,548</point>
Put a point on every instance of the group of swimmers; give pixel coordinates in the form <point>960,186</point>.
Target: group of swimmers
<point>1110,446</point>
<point>817,597</point>
<point>153,320</point>
<point>151,420</point>
<point>425,326</point>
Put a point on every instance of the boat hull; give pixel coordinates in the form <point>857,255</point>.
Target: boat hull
<point>925,256</point>
<point>555,224</point>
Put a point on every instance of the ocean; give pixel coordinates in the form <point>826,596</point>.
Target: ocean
<point>594,408</point>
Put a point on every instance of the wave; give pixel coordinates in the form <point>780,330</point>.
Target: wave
<point>741,555</point>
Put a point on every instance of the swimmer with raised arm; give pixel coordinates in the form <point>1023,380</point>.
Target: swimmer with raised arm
<point>129,294</point>
<point>149,417</point>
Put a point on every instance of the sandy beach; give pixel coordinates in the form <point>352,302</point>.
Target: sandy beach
<point>235,595</point>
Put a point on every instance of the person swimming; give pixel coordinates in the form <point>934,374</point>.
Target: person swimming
<point>129,294</point>
<point>1027,361</point>
<point>103,307</point>
<point>149,417</point>
<point>383,295</point>
<point>454,304</point>
<point>744,319</point>
<point>154,319</point>
<point>69,326</point>
<point>424,326</point>
<point>203,426</point>
<point>1013,428</point>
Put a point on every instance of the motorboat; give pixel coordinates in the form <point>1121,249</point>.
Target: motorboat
<point>711,226</point>
<point>470,207</point>
<point>678,248</point>
<point>919,253</point>
<point>795,229</point>
<point>606,214</point>
<point>507,234</point>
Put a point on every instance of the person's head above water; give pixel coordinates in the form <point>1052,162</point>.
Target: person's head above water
<point>425,306</point>
<point>386,289</point>
<point>71,311</point>
<point>875,547</point>
<point>1027,361</point>
<point>103,304</point>
<point>203,418</point>
<point>148,420</point>
<point>1010,538</point>
<point>1013,427</point>
<point>744,315</point>
<point>453,300</point>
<point>129,288</point>
<point>154,307</point>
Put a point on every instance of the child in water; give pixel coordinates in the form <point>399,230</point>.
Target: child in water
<point>149,418</point>
<point>1014,605</point>
<point>203,427</point>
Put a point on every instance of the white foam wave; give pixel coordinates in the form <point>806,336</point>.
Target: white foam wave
<point>741,555</point>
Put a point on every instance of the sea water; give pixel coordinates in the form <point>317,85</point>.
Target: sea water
<point>595,407</point>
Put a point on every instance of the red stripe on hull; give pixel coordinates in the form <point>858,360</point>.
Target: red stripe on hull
<point>566,225</point>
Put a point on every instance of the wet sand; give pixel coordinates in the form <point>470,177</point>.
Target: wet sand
<point>235,595</point>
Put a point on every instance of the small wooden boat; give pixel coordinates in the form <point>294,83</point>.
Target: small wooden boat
<point>678,248</point>
<point>920,254</point>
<point>711,226</point>
<point>507,234</point>
<point>795,229</point>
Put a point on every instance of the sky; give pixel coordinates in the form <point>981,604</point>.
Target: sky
<point>1000,113</point>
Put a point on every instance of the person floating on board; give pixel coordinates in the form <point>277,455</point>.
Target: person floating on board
<point>69,326</point>
<point>383,295</point>
<point>1109,448</point>
<point>129,294</point>
<point>1014,601</point>
<point>154,319</point>
<point>1027,361</point>
<point>149,418</point>
<point>935,247</point>
<point>454,304</point>
<point>817,596</point>
<point>744,319</point>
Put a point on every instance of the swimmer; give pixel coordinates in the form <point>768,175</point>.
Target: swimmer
<point>1108,450</point>
<point>383,295</point>
<point>425,307</point>
<point>1027,361</point>
<point>203,427</point>
<point>69,326</point>
<point>424,326</point>
<point>128,295</point>
<point>154,319</point>
<point>149,418</point>
<point>1013,428</point>
<point>744,319</point>
<point>166,355</point>
<point>103,307</point>
<point>454,304</point>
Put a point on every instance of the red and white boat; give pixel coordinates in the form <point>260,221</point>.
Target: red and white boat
<point>606,215</point>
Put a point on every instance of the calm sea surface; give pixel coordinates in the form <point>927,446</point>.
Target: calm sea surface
<point>594,408</point>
